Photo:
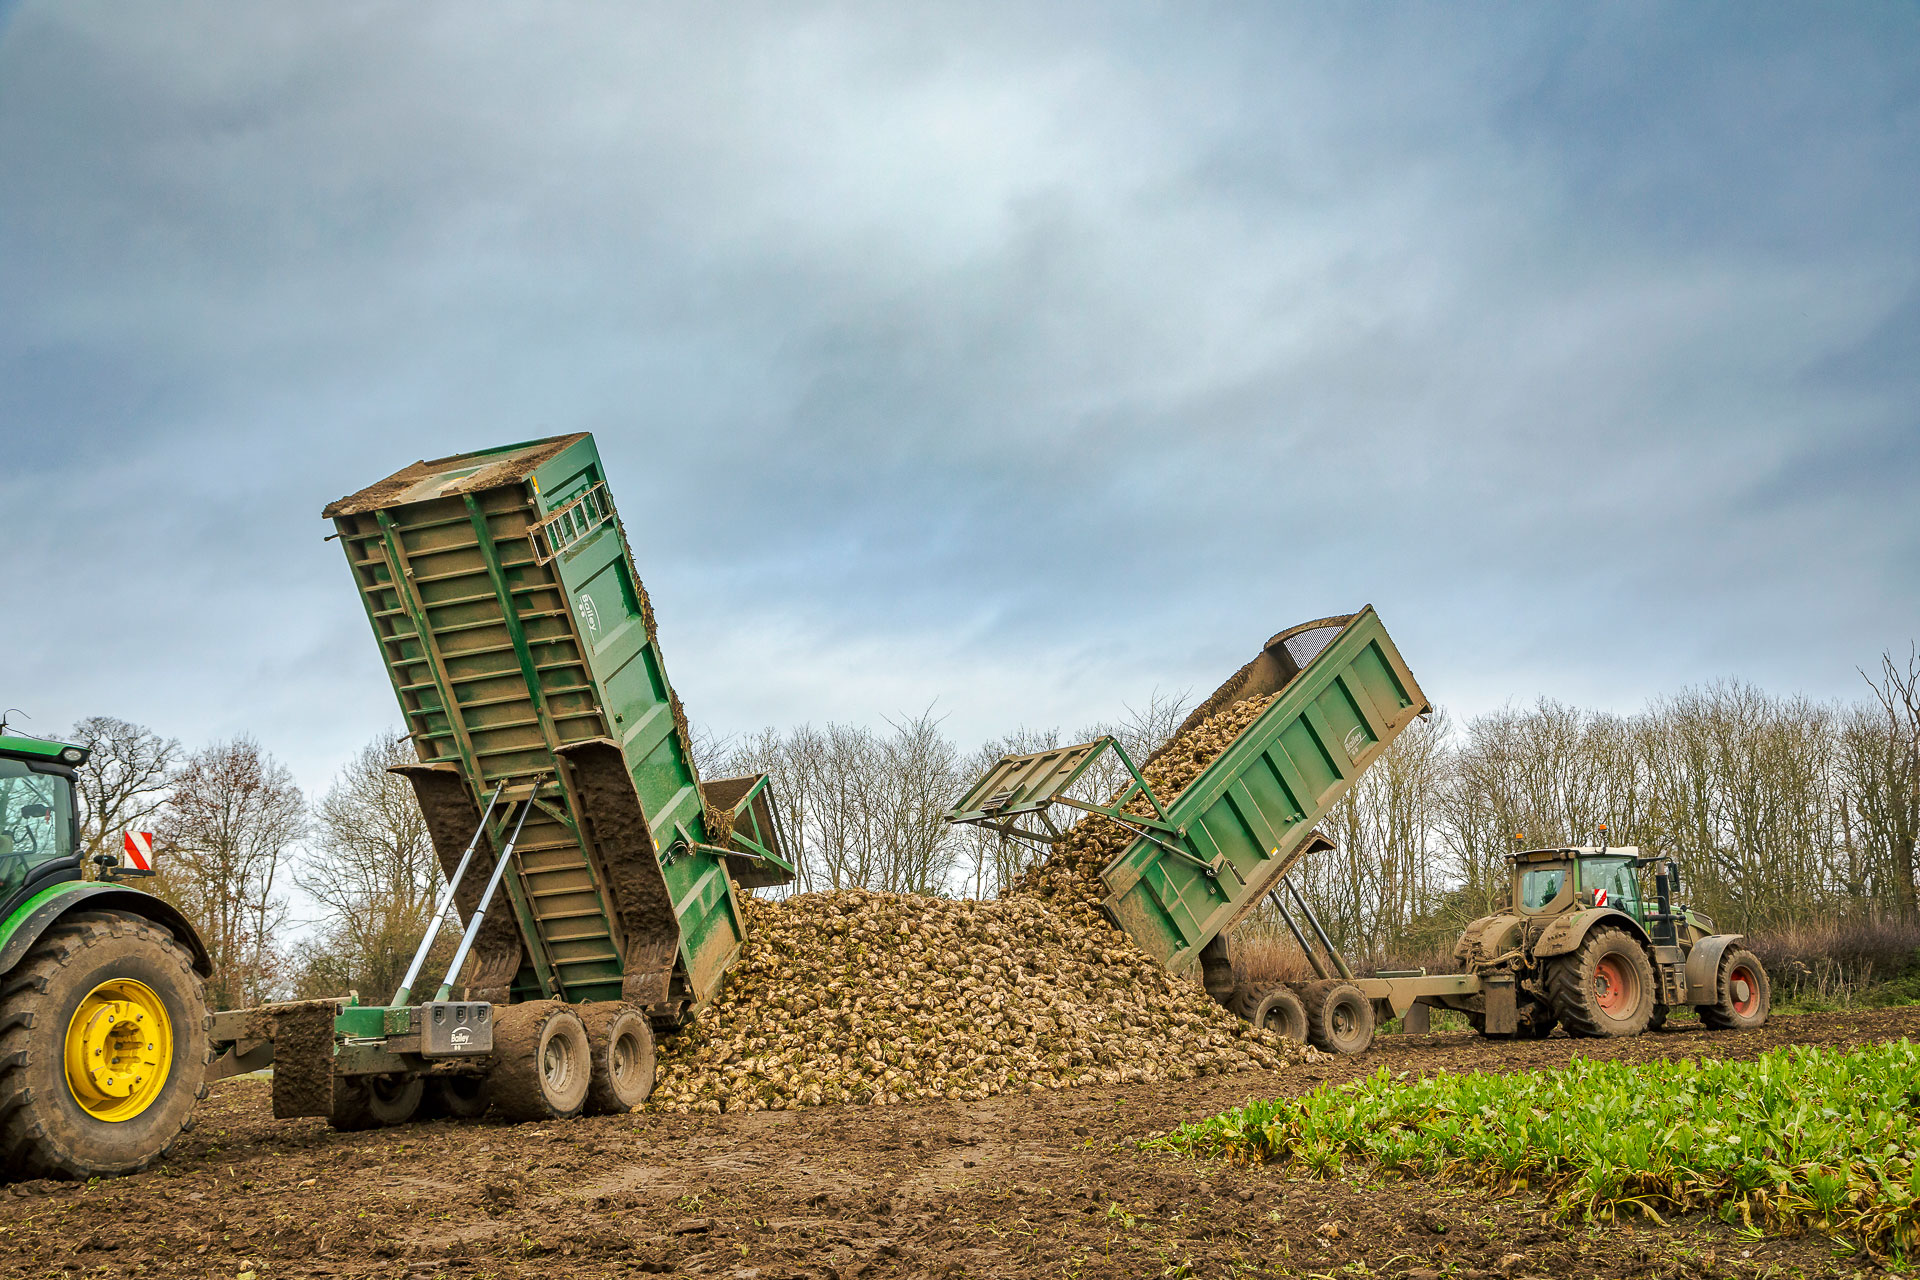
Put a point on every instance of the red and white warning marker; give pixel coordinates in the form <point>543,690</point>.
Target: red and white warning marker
<point>139,846</point>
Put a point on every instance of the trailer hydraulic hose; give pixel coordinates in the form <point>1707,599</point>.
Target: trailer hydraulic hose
<point>401,996</point>
<point>486,899</point>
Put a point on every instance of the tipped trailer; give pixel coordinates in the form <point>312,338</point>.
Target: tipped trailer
<point>1593,955</point>
<point>593,871</point>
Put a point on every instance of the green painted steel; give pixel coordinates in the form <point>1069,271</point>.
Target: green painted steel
<point>512,623</point>
<point>1244,820</point>
<point>19,914</point>
<point>42,749</point>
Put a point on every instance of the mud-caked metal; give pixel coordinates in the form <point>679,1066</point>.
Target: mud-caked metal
<point>594,873</point>
<point>1593,939</point>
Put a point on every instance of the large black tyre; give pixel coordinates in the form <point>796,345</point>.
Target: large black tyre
<point>1275,1009</point>
<point>1659,1018</point>
<point>542,1061</point>
<point>1535,1020</point>
<point>105,962</point>
<point>374,1102</point>
<point>458,1097</point>
<point>1605,987</point>
<point>1339,1016</point>
<point>1744,990</point>
<point>1532,1021</point>
<point>623,1058</point>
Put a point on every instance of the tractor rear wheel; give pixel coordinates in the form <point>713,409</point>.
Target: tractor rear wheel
<point>1605,988</point>
<point>542,1061</point>
<point>1274,1009</point>
<point>1746,994</point>
<point>622,1041</point>
<point>104,1051</point>
<point>1339,1016</point>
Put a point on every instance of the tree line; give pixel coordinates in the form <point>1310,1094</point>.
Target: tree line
<point>1783,812</point>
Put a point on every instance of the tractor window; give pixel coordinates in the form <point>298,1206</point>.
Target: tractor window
<point>1541,886</point>
<point>1614,878</point>
<point>36,822</point>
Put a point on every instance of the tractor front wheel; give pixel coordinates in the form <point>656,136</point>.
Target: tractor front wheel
<point>1605,988</point>
<point>1746,995</point>
<point>105,1049</point>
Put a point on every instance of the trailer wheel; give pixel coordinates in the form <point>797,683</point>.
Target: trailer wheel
<point>1605,988</point>
<point>459,1097</point>
<point>542,1061</point>
<point>622,1041</point>
<point>1746,994</point>
<point>104,1051</point>
<point>1659,1018</point>
<point>1339,1016</point>
<point>1274,1009</point>
<point>374,1102</point>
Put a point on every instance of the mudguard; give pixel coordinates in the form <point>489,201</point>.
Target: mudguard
<point>1482,940</point>
<point>1703,967</point>
<point>38,913</point>
<point>1567,932</point>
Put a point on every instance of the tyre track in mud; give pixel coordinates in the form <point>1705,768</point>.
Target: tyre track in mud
<point>1045,1184</point>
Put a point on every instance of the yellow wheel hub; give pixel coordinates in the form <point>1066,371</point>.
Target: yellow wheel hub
<point>119,1046</point>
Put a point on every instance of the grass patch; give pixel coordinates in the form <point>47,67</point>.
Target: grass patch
<point>1798,1139</point>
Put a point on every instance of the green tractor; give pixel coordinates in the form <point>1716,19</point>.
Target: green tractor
<point>103,1020</point>
<point>1580,946</point>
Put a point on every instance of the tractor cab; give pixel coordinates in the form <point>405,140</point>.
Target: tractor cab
<point>39,818</point>
<point>1555,882</point>
<point>1547,882</point>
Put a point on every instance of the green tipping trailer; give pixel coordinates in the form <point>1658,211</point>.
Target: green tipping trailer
<point>1203,860</point>
<point>555,770</point>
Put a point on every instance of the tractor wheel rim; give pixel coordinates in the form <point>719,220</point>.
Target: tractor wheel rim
<point>1613,987</point>
<point>1342,1020</point>
<point>1744,990</point>
<point>118,1051</point>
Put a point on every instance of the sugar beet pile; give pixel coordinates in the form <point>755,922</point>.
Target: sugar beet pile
<point>863,997</point>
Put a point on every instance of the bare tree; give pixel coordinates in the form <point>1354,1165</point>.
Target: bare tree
<point>125,781</point>
<point>1880,763</point>
<point>372,867</point>
<point>224,837</point>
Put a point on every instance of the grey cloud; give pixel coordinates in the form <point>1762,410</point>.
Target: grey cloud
<point>1022,359</point>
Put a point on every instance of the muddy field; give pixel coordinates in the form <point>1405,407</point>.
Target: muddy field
<point>1041,1185</point>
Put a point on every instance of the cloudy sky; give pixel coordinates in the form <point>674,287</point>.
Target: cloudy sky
<point>1014,359</point>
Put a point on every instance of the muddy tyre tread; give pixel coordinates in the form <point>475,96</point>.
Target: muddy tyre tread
<point>1719,1016</point>
<point>1570,984</point>
<point>514,1085</point>
<point>1261,1006</point>
<point>1319,999</point>
<point>37,1140</point>
<point>603,1092</point>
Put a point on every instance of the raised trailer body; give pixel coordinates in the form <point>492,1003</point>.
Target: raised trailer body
<point>1202,860</point>
<point>521,648</point>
